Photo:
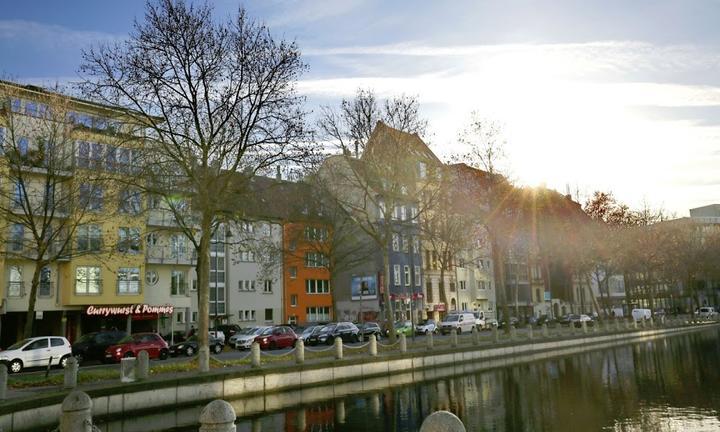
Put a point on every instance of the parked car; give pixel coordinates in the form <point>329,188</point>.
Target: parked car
<point>565,319</point>
<point>513,322</point>
<point>36,351</point>
<point>479,319</point>
<point>276,337</point>
<point>641,314</point>
<point>347,331</point>
<point>176,336</point>
<point>428,326</point>
<point>245,338</point>
<point>705,312</point>
<point>229,330</point>
<point>461,322</point>
<point>92,346</point>
<point>190,346</point>
<point>490,323</point>
<point>307,331</point>
<point>370,328</point>
<point>403,327</point>
<point>130,346</point>
<point>582,318</point>
<point>216,333</point>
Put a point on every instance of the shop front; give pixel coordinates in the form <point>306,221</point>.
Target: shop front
<point>135,318</point>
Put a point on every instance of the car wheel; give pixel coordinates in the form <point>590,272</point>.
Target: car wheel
<point>426,332</point>
<point>354,338</point>
<point>16,366</point>
<point>63,361</point>
<point>163,354</point>
<point>217,349</point>
<point>189,351</point>
<point>79,358</point>
<point>129,354</point>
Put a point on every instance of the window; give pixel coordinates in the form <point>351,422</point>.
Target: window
<point>246,285</point>
<point>19,197</point>
<point>268,286</point>
<point>246,315</point>
<point>124,160</point>
<point>180,317</point>
<point>481,285</point>
<point>396,242</point>
<point>15,105</point>
<point>96,155</point>
<point>87,280</point>
<point>268,314</point>
<point>56,342</point>
<point>416,245</point>
<point>178,283</point>
<point>396,275</point>
<point>151,239</point>
<point>45,287</point>
<point>178,246</point>
<point>405,244</point>
<point>316,234</point>
<point>396,213</point>
<point>246,227</point>
<point>247,256</point>
<point>417,276</point>
<point>22,146</point>
<point>2,140</point>
<point>452,286</point>
<point>292,319</point>
<point>429,291</point>
<point>129,240</point>
<point>414,214</point>
<point>89,238</point>
<point>315,314</point>
<point>293,245</point>
<point>193,286</point>
<point>293,300</point>
<point>422,170</point>
<point>17,237</point>
<point>38,344</point>
<point>403,213</point>
<point>293,272</point>
<point>193,316</point>
<point>217,269</point>
<point>317,286</point>
<point>407,275</point>
<point>128,280</point>
<point>15,282</point>
<point>151,277</point>
<point>381,210</point>
<point>129,202</point>
<point>462,285</point>
<point>91,197</point>
<point>315,260</point>
<point>111,158</point>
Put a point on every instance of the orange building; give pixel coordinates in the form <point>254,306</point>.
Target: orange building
<point>308,296</point>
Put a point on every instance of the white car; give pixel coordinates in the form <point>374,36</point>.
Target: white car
<point>218,334</point>
<point>245,338</point>
<point>35,352</point>
<point>641,314</point>
<point>428,326</point>
<point>706,312</point>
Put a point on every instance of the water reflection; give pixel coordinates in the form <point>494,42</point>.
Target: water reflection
<point>664,385</point>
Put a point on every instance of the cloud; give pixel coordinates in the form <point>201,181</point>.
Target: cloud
<point>309,11</point>
<point>50,35</point>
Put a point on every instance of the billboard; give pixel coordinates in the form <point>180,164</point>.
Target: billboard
<point>363,286</point>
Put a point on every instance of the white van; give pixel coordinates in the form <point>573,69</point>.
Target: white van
<point>705,312</point>
<point>462,322</point>
<point>641,314</point>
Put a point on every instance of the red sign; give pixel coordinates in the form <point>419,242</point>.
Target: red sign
<point>439,307</point>
<point>135,310</point>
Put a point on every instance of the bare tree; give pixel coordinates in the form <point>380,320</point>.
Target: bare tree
<point>350,126</point>
<point>218,98</point>
<point>47,197</point>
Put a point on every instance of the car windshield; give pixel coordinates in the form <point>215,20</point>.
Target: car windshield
<point>267,331</point>
<point>328,329</point>
<point>87,337</point>
<point>308,331</point>
<point>452,318</point>
<point>428,322</point>
<point>18,345</point>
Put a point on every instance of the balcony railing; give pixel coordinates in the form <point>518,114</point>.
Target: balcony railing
<point>128,287</point>
<point>163,218</point>
<point>178,288</point>
<point>16,289</point>
<point>165,255</point>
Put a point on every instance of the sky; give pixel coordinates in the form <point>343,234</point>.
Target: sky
<point>593,95</point>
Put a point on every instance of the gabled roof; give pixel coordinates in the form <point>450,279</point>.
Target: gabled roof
<point>384,136</point>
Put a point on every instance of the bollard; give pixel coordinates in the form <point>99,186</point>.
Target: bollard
<point>255,355</point>
<point>476,336</point>
<point>338,348</point>
<point>634,325</point>
<point>3,381</point>
<point>545,331</point>
<point>430,341</point>
<point>442,421</point>
<point>76,413</point>
<point>301,421</point>
<point>256,425</point>
<point>143,365</point>
<point>596,327</point>
<point>651,322</point>
<point>617,325</point>
<point>70,373</point>
<point>218,416</point>
<point>340,411</point>
<point>127,369</point>
<point>375,405</point>
<point>512,332</point>
<point>403,343</point>
<point>583,325</point>
<point>204,359</point>
<point>373,346</point>
<point>495,334</point>
<point>299,351</point>
<point>642,323</point>
<point>453,338</point>
<point>530,332</point>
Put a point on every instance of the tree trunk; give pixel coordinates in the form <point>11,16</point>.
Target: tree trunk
<point>499,273</point>
<point>203,275</point>
<point>32,299</point>
<point>386,298</point>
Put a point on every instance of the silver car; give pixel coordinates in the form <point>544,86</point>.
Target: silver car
<point>245,338</point>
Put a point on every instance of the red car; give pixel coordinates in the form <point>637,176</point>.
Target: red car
<point>276,337</point>
<point>130,346</point>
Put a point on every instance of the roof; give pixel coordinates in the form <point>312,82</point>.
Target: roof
<point>384,135</point>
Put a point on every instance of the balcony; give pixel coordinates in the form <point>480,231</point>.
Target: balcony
<point>16,289</point>
<point>165,255</point>
<point>36,161</point>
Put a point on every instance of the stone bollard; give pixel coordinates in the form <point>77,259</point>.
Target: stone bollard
<point>76,413</point>
<point>256,425</point>
<point>634,324</point>
<point>375,405</point>
<point>301,420</point>
<point>255,355</point>
<point>338,348</point>
<point>143,365</point>
<point>617,325</point>
<point>403,343</point>
<point>340,411</point>
<point>299,351</point>
<point>652,322</point>
<point>453,338</point>
<point>642,323</point>
<point>530,332</point>
<point>476,336</point>
<point>127,369</point>
<point>372,346</point>
<point>495,334</point>
<point>583,325</point>
<point>442,421</point>
<point>70,373</point>
<point>512,332</point>
<point>3,381</point>
<point>430,341</point>
<point>596,327</point>
<point>218,416</point>
<point>545,331</point>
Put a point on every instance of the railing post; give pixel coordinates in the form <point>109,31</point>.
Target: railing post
<point>583,324</point>
<point>453,338</point>
<point>617,325</point>
<point>512,332</point>
<point>255,355</point>
<point>476,336</point>
<point>530,331</point>
<point>442,421</point>
<point>634,324</point>
<point>70,373</point>
<point>143,365</point>
<point>340,411</point>
<point>430,341</point>
<point>338,348</point>
<point>495,334</point>
<point>300,351</point>
<point>372,346</point>
<point>127,369</point>
<point>545,330</point>
<point>218,416</point>
<point>3,381</point>
<point>76,413</point>
<point>403,343</point>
